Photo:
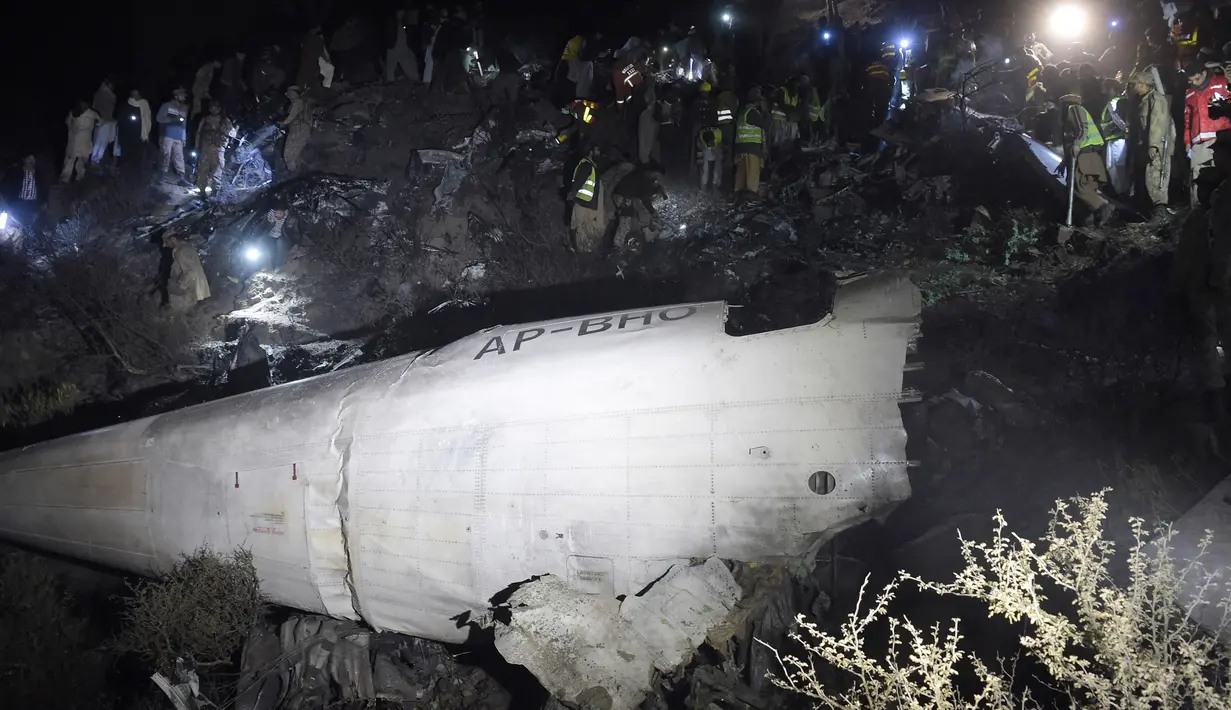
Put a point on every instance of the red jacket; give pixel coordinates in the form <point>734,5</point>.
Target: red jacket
<point>1198,126</point>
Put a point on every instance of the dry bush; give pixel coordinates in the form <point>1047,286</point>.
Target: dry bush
<point>46,660</point>
<point>1101,644</point>
<point>36,403</point>
<point>200,611</point>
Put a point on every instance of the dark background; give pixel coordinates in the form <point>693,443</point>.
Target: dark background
<point>59,52</point>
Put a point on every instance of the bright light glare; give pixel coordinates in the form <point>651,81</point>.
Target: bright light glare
<point>194,153</point>
<point>1115,23</point>
<point>664,49</point>
<point>904,43</point>
<point>252,254</point>
<point>726,17</point>
<point>826,35</point>
<point>1008,60</point>
<point>208,189</point>
<point>4,220</point>
<point>1068,21</point>
<point>683,227</point>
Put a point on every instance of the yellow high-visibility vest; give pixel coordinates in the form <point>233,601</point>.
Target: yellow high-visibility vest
<point>586,193</point>
<point>815,107</point>
<point>745,132</point>
<point>572,50</point>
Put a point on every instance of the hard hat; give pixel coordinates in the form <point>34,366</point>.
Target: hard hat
<point>706,88</point>
<point>1070,99</point>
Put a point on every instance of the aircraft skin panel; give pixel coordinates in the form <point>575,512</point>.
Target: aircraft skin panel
<point>599,449</point>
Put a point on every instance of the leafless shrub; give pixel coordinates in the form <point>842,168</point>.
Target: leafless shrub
<point>1130,647</point>
<point>200,611</point>
<point>45,660</point>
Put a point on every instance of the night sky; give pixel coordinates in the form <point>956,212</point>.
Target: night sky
<point>59,51</point>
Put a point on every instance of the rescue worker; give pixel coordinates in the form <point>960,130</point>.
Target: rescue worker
<point>627,74</point>
<point>313,58</point>
<point>1151,139</point>
<point>702,114</point>
<point>587,192</point>
<point>810,127</point>
<point>648,125</point>
<point>133,130</point>
<point>1084,144</point>
<point>709,157</point>
<point>1037,48</point>
<point>212,137</point>
<point>878,86</point>
<point>726,108</point>
<point>397,49</point>
<point>789,99</point>
<point>267,76</point>
<point>201,85</point>
<point>298,127</point>
<point>104,135</point>
<point>568,67</point>
<point>1115,133</point>
<point>780,129</point>
<point>173,117</point>
<point>1204,88</point>
<point>187,283</point>
<point>1201,275</point>
<point>26,191</point>
<point>749,146</point>
<point>231,79</point>
<point>81,122</point>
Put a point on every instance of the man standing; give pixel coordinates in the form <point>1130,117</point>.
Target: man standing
<point>588,222</point>
<point>1151,137</point>
<point>187,283</point>
<point>1083,141</point>
<point>133,130</point>
<point>212,136</point>
<point>201,85</point>
<point>81,123</point>
<point>1115,133</point>
<point>1201,274</point>
<point>298,126</point>
<point>29,193</point>
<point>749,146</point>
<point>104,135</point>
<point>173,117</point>
<point>397,50</point>
<point>232,78</point>
<point>1204,88</point>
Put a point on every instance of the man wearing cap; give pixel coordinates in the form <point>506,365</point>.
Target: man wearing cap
<point>1151,140</point>
<point>173,117</point>
<point>1204,88</point>
<point>1201,275</point>
<point>1083,140</point>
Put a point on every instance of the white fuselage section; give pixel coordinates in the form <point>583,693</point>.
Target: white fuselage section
<point>410,491</point>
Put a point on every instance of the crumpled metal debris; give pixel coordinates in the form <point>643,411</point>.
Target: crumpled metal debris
<point>314,661</point>
<point>594,650</point>
<point>185,693</point>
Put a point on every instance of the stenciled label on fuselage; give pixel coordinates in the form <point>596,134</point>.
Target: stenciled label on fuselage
<point>512,342</point>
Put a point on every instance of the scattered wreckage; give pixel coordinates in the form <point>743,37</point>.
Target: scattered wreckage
<point>579,459</point>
